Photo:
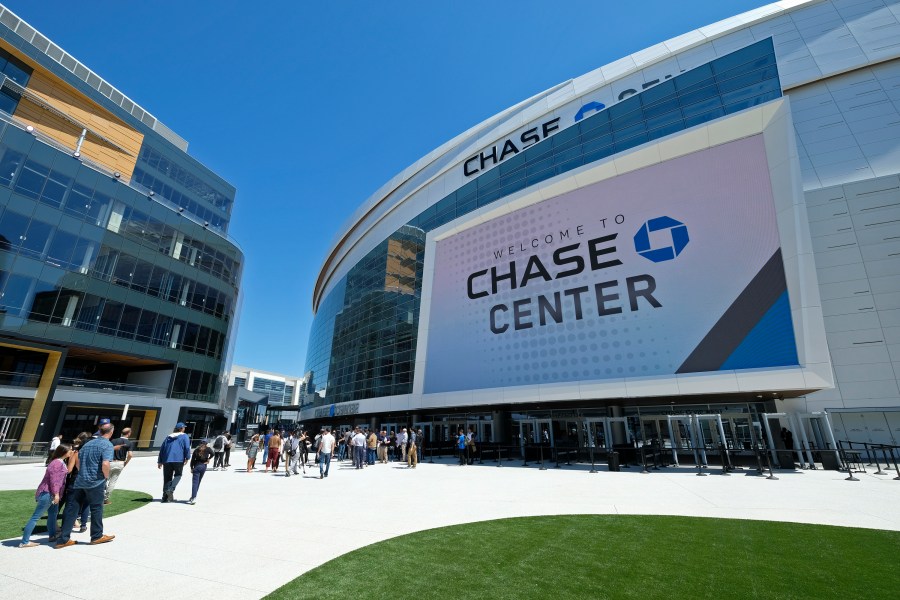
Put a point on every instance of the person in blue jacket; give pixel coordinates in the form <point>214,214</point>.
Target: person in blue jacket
<point>173,455</point>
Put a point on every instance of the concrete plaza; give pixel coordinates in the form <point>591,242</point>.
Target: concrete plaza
<point>250,533</point>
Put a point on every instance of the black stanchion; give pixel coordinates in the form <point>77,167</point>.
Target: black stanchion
<point>525,456</point>
<point>769,463</point>
<point>896,468</point>
<point>543,468</point>
<point>759,465</point>
<point>849,468</point>
<point>555,451</point>
<point>430,454</point>
<point>499,457</point>
<point>700,472</point>
<point>594,467</point>
<point>724,460</point>
<point>878,463</point>
<point>644,461</point>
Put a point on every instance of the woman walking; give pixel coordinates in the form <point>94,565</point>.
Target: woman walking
<point>252,451</point>
<point>47,495</point>
<point>199,461</point>
<point>73,464</point>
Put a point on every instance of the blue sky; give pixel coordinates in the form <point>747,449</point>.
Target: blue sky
<point>309,107</point>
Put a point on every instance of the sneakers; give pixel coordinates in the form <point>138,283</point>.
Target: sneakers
<point>192,502</point>
<point>29,545</point>
<point>171,496</point>
<point>321,476</point>
<point>65,544</point>
<point>82,529</point>
<point>103,539</point>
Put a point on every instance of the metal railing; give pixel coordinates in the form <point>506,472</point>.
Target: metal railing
<point>110,386</point>
<point>20,379</point>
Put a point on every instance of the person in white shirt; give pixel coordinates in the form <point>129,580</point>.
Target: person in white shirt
<point>324,450</point>
<point>358,443</point>
<point>402,440</point>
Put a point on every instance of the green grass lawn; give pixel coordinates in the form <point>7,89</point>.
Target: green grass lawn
<point>19,504</point>
<point>608,556</point>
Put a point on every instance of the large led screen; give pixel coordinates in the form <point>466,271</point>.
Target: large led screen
<point>673,268</point>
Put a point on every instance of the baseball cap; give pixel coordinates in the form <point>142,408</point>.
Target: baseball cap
<point>179,425</point>
<point>104,421</point>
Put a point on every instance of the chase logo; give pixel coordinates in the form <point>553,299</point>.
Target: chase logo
<point>585,109</point>
<point>678,234</point>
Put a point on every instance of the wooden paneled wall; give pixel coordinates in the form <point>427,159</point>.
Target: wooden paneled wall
<point>65,99</point>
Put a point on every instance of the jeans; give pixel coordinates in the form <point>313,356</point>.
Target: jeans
<point>370,456</point>
<point>227,456</point>
<point>342,451</point>
<point>171,476</point>
<point>324,463</point>
<point>44,505</point>
<point>79,498</point>
<point>218,459</point>
<point>198,472</point>
<point>115,469</point>
<point>297,459</point>
<point>359,454</point>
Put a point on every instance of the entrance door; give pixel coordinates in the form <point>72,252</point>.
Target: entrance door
<point>594,434</point>
<point>426,430</point>
<point>10,432</point>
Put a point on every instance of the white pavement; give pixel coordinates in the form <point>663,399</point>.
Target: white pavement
<point>231,544</point>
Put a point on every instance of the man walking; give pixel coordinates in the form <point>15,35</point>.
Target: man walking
<point>173,455</point>
<point>412,457</point>
<point>402,440</point>
<point>358,442</point>
<point>293,458</point>
<point>383,443</point>
<point>218,448</point>
<point>324,450</point>
<point>371,446</point>
<point>122,448</point>
<point>274,452</point>
<point>94,459</point>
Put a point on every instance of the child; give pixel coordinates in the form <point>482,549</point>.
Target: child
<point>47,495</point>
<point>199,460</point>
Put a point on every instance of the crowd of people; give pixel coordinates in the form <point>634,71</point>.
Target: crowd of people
<point>78,482</point>
<point>80,477</point>
<point>360,445</point>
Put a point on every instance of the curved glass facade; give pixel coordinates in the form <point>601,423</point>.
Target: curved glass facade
<point>363,339</point>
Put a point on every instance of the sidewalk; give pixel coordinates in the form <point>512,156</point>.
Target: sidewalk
<point>231,544</point>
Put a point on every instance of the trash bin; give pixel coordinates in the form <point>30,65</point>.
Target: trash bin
<point>830,460</point>
<point>613,461</point>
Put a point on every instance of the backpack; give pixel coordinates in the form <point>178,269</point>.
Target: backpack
<point>219,444</point>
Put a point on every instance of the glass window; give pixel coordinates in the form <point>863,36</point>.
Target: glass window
<point>128,324</point>
<point>141,277</point>
<point>89,312</point>
<point>9,165</point>
<point>37,237</point>
<point>13,227</point>
<point>145,328</point>
<point>61,248</point>
<point>124,270</point>
<point>109,317</point>
<point>31,179</point>
<point>55,189</point>
<point>15,293</point>
<point>79,200</point>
